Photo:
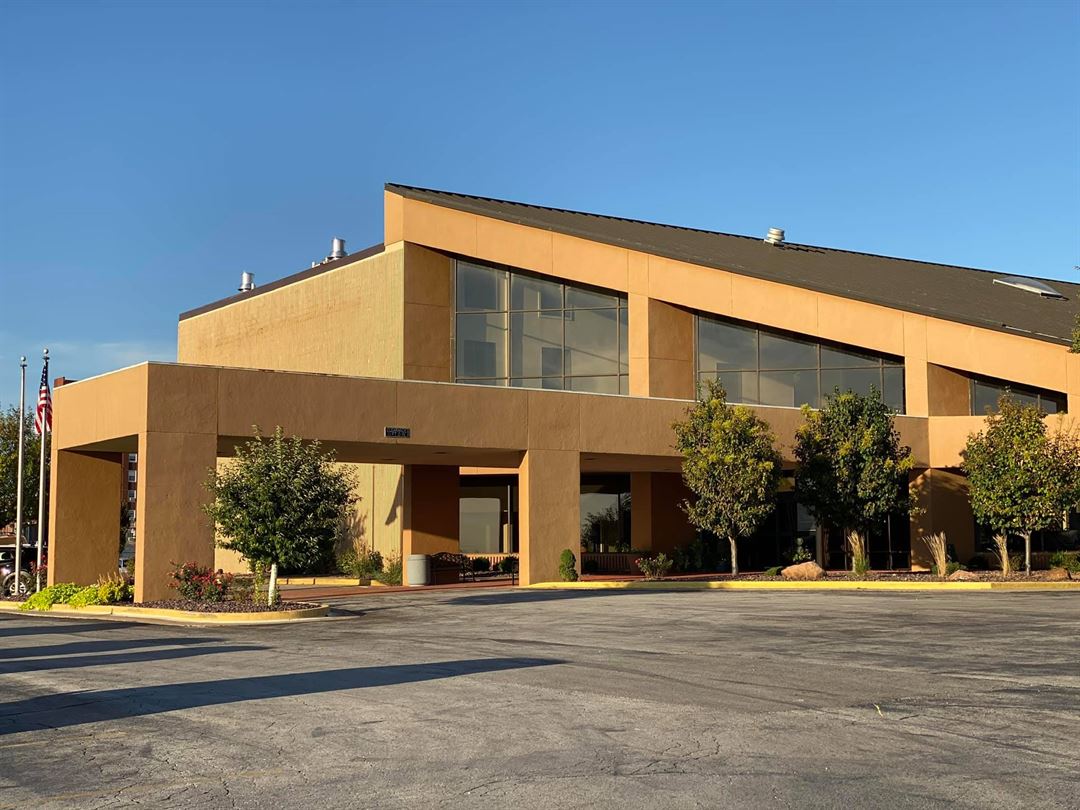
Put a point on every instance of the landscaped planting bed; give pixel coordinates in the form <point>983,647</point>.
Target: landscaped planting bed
<point>225,606</point>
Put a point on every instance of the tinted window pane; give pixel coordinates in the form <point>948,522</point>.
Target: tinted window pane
<point>1052,404</point>
<point>782,352</point>
<point>723,346</point>
<point>533,293</point>
<point>592,344</point>
<point>595,385</point>
<point>624,384</point>
<point>480,288</point>
<point>481,342</point>
<point>893,381</point>
<point>740,386</point>
<point>624,341</point>
<point>791,389</point>
<point>984,399</point>
<point>548,383</point>
<point>836,358</point>
<point>536,341</point>
<point>859,380</point>
<point>581,299</point>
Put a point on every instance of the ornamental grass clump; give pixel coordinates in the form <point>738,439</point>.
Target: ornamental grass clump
<point>939,553</point>
<point>655,568</point>
<point>860,561</point>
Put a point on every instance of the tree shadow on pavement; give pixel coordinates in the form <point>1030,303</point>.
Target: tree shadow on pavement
<point>78,708</point>
<point>102,645</point>
<point>144,656</point>
<point>523,596</point>
<point>12,626</point>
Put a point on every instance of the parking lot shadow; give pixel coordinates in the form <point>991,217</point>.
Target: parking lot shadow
<point>526,595</point>
<point>16,626</point>
<point>78,708</point>
<point>98,646</point>
<point>138,657</point>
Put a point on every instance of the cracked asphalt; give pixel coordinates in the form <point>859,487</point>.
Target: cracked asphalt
<point>516,698</point>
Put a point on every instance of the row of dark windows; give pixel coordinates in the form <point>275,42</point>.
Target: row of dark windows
<point>514,328</point>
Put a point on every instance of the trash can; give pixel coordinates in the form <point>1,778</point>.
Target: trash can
<point>417,569</point>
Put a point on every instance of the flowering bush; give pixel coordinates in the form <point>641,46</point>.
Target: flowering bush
<point>193,581</point>
<point>656,567</point>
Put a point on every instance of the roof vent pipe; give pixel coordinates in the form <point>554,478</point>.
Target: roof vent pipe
<point>775,236</point>
<point>337,249</point>
<point>247,282</point>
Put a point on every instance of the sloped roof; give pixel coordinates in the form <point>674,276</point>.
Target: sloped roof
<point>963,294</point>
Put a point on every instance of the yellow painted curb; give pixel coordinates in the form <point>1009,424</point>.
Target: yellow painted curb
<point>321,581</point>
<point>785,585</point>
<point>186,616</point>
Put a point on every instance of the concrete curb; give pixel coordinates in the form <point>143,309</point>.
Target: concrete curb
<point>185,616</point>
<point>784,585</point>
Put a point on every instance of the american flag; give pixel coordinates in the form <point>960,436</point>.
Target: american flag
<point>43,417</point>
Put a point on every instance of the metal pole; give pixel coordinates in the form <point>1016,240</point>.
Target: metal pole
<point>19,475</point>
<point>41,482</point>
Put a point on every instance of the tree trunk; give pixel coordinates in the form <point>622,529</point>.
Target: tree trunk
<point>734,557</point>
<point>1027,554</point>
<point>271,592</point>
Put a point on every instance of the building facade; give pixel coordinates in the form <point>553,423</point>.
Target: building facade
<point>504,378</point>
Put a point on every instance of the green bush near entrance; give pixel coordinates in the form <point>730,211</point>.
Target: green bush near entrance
<point>568,566</point>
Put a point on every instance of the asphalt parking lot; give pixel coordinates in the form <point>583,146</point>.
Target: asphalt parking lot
<point>516,698</point>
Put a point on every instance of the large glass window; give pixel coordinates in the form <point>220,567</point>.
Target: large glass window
<point>985,394</point>
<point>762,367</point>
<point>543,334</point>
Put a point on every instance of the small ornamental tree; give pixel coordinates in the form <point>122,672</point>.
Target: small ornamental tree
<point>731,464</point>
<point>852,471</point>
<point>1019,478</point>
<point>1075,347</point>
<point>279,503</point>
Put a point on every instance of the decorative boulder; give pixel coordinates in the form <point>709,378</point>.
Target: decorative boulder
<point>963,576</point>
<point>1057,574</point>
<point>803,571</point>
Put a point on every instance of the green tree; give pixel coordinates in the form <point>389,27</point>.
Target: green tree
<point>279,503</point>
<point>9,466</point>
<point>1075,347</point>
<point>1020,480</point>
<point>852,470</point>
<point>731,464</point>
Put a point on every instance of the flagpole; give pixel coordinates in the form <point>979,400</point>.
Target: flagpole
<point>19,476</point>
<point>41,482</point>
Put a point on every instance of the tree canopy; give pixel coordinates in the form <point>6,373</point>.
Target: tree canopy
<point>280,502</point>
<point>852,470</point>
<point>9,465</point>
<point>1020,479</point>
<point>731,464</point>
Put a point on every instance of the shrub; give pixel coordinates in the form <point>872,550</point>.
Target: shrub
<point>481,564</point>
<point>953,567</point>
<point>655,567</point>
<point>508,565</point>
<point>57,594</point>
<point>703,553</point>
<point>568,566</point>
<point>590,567</point>
<point>391,572</point>
<point>802,553</point>
<point>90,595</point>
<point>361,564</point>
<point>774,571</point>
<point>192,581</point>
<point>113,588</point>
<point>1069,560</point>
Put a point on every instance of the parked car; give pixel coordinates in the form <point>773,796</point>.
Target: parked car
<point>7,570</point>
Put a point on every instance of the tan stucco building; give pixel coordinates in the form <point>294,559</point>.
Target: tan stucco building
<point>537,359</point>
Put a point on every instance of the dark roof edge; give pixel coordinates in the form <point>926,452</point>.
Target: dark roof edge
<point>303,275</point>
<point>462,204</point>
<point>417,191</point>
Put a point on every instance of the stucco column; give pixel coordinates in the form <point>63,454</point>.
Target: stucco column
<point>430,521</point>
<point>170,527</point>
<point>661,345</point>
<point>549,512</point>
<point>84,516</point>
<point>657,521</point>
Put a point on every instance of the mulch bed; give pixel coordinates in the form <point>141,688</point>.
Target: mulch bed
<point>840,576</point>
<point>224,607</point>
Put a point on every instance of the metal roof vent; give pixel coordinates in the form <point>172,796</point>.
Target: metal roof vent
<point>247,282</point>
<point>1030,285</point>
<point>337,249</point>
<point>775,236</point>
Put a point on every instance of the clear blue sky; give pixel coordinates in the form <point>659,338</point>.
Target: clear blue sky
<point>150,151</point>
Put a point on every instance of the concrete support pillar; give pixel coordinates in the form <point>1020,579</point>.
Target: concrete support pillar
<point>170,526</point>
<point>430,514</point>
<point>84,516</point>
<point>657,521</point>
<point>549,512</point>
<point>942,505</point>
<point>661,345</point>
